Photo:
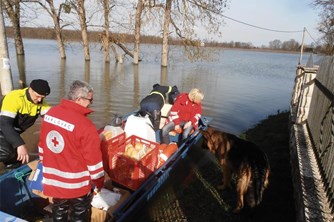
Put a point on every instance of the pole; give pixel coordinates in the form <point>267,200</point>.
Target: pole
<point>302,47</point>
<point>6,81</point>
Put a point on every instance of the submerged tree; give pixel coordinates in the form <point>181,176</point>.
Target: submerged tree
<point>79,8</point>
<point>139,10</point>
<point>55,15</point>
<point>12,8</point>
<point>188,16</point>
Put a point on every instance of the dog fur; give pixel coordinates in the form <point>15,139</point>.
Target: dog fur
<point>153,103</point>
<point>242,159</point>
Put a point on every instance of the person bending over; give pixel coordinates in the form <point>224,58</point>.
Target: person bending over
<point>19,110</point>
<point>69,149</point>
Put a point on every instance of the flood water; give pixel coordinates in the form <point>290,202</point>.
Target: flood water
<point>241,87</point>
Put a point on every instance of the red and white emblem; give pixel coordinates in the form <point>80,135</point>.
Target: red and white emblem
<point>55,141</point>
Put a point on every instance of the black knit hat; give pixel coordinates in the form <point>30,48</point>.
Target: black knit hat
<point>40,86</point>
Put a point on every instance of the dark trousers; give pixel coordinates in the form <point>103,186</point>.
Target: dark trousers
<point>8,154</point>
<point>171,126</point>
<point>75,209</point>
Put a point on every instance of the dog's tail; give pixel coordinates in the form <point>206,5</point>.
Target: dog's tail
<point>260,179</point>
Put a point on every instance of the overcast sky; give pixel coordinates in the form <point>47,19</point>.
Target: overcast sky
<point>284,15</point>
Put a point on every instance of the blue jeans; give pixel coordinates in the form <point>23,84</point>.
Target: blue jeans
<point>171,126</point>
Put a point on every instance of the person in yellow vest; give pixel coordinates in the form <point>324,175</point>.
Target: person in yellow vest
<point>19,110</point>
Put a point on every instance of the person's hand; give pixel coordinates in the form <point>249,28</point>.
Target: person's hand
<point>97,190</point>
<point>178,129</point>
<point>22,154</point>
<point>187,125</point>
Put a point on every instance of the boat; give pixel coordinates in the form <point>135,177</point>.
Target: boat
<point>19,203</point>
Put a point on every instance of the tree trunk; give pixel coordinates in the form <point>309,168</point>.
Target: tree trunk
<point>106,44</point>
<point>164,53</point>
<point>83,25</point>
<point>58,30</point>
<point>13,12</point>
<point>139,11</point>
<point>115,52</point>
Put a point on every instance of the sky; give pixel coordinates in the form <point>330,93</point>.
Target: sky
<point>283,15</point>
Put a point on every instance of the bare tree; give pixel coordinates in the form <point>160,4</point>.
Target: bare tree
<point>141,5</point>
<point>139,10</point>
<point>326,24</point>
<point>291,45</point>
<point>12,8</point>
<point>79,7</point>
<point>275,44</point>
<point>165,35</point>
<point>185,17</point>
<point>55,14</point>
<point>105,37</point>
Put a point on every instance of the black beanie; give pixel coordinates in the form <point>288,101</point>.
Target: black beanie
<point>40,86</point>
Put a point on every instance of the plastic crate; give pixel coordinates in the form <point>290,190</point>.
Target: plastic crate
<point>110,144</point>
<point>131,172</point>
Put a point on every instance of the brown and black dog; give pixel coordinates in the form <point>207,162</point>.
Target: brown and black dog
<point>242,159</point>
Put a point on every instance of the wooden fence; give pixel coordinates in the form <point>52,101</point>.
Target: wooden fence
<point>312,141</point>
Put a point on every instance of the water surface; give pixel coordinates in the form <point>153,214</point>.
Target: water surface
<point>241,87</point>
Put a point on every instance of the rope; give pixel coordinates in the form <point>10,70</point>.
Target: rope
<point>267,29</point>
<point>19,176</point>
<point>272,30</point>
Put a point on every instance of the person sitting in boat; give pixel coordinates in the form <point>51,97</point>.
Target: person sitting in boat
<point>69,148</point>
<point>19,110</point>
<point>184,115</point>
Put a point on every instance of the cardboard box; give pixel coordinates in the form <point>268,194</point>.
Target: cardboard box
<point>97,214</point>
<point>35,188</point>
<point>101,215</point>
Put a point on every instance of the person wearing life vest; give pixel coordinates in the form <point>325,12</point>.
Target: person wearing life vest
<point>184,114</point>
<point>69,149</point>
<point>19,110</point>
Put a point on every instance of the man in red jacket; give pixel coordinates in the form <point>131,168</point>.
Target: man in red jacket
<point>69,148</point>
<point>184,115</point>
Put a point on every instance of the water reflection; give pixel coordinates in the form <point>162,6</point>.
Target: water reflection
<point>241,87</point>
<point>22,70</point>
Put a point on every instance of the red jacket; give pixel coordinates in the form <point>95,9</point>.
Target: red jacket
<point>185,110</point>
<point>69,147</point>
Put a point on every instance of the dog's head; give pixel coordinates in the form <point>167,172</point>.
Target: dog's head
<point>210,139</point>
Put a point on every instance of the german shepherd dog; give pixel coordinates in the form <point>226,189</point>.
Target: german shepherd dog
<point>242,159</point>
<point>153,103</point>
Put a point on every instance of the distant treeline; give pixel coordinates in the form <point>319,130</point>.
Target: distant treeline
<point>94,36</point>
<point>75,35</point>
